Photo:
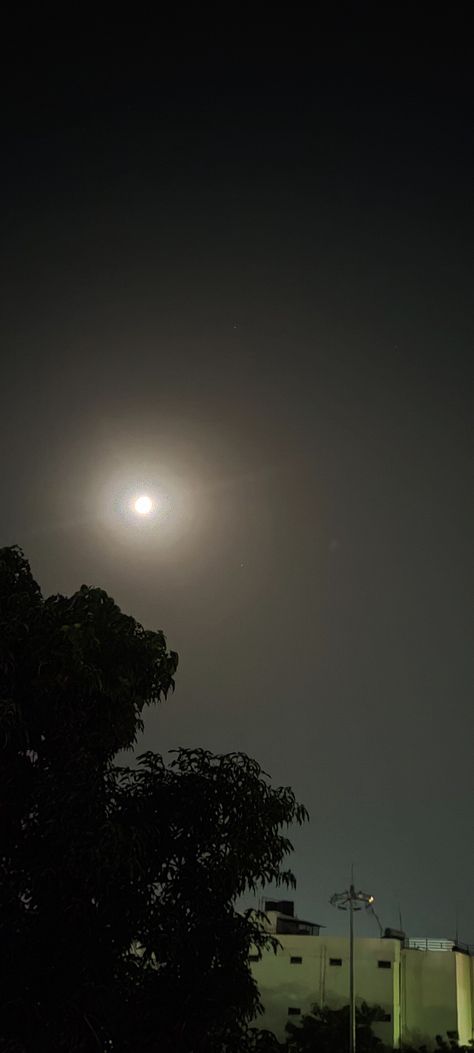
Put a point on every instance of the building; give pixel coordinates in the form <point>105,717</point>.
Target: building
<point>424,987</point>
<point>281,920</point>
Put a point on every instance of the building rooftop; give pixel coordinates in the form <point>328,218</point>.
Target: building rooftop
<point>285,921</point>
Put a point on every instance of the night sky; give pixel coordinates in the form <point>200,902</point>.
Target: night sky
<point>240,279</point>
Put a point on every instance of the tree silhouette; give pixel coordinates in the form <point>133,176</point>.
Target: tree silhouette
<point>117,918</point>
<point>327,1030</point>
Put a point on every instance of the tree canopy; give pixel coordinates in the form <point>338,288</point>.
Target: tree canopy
<point>327,1030</point>
<point>118,884</point>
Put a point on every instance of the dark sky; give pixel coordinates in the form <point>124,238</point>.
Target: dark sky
<point>241,278</point>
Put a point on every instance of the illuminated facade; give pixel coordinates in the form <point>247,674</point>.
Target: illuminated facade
<point>421,991</point>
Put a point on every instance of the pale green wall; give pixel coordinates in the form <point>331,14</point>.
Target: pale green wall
<point>464,987</point>
<point>426,992</point>
<point>282,984</point>
<point>429,1004</point>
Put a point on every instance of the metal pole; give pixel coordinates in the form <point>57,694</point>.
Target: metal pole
<point>346,901</point>
<point>352,1022</point>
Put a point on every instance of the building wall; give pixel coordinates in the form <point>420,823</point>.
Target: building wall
<point>424,993</point>
<point>465,997</point>
<point>286,986</point>
<point>429,1003</point>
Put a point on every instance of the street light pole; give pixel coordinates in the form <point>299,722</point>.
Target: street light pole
<point>352,1040</point>
<point>350,900</point>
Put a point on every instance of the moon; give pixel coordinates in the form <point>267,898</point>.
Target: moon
<point>143,505</point>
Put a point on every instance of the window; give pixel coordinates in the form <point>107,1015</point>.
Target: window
<point>295,960</point>
<point>335,961</point>
<point>384,965</point>
<point>293,1011</point>
<point>254,958</point>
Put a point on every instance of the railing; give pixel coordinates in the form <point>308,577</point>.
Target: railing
<point>426,944</point>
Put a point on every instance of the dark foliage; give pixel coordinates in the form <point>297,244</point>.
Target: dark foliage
<point>442,1046</point>
<point>117,921</point>
<point>327,1030</point>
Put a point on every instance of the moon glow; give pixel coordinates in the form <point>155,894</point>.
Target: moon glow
<point>143,505</point>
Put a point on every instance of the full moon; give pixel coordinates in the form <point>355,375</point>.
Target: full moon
<point>143,505</point>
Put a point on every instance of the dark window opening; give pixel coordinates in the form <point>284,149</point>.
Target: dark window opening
<point>293,1011</point>
<point>295,960</point>
<point>384,965</point>
<point>335,961</point>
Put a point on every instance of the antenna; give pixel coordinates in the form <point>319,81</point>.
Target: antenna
<point>379,923</point>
